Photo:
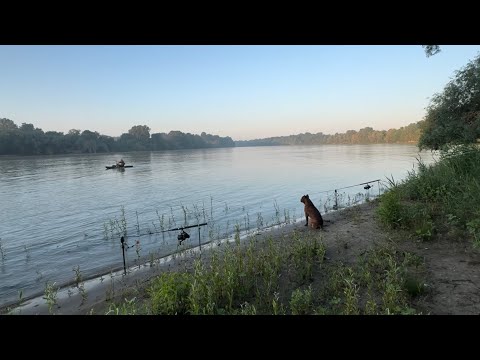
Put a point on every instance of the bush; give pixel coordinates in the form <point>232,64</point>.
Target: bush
<point>301,302</point>
<point>390,209</point>
<point>445,194</point>
<point>169,293</point>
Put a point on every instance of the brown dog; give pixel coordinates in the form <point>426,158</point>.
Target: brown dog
<point>316,220</point>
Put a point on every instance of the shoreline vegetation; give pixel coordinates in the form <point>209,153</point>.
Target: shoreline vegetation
<point>413,250</point>
<point>28,140</point>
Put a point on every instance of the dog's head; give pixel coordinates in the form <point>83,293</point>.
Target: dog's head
<point>304,198</point>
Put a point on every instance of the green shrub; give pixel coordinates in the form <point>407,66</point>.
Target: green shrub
<point>169,293</point>
<point>301,301</point>
<point>390,209</point>
<point>426,230</point>
<point>413,286</point>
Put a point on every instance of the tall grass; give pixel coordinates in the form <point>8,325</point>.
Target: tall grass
<point>242,278</point>
<point>283,276</point>
<point>442,197</point>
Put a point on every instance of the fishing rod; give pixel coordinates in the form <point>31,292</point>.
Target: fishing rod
<point>346,187</point>
<point>184,235</point>
<point>367,183</point>
<point>366,187</point>
<point>181,237</point>
<point>184,227</point>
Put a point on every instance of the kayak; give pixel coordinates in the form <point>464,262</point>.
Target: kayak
<point>118,167</point>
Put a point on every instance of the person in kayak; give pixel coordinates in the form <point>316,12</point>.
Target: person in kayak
<point>121,163</point>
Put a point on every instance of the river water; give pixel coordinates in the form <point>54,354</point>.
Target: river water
<point>66,212</point>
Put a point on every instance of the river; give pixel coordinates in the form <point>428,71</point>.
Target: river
<point>66,212</point>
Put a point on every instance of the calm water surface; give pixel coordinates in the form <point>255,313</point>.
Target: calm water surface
<point>60,212</point>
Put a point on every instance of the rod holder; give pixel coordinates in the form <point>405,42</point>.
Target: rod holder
<point>122,240</point>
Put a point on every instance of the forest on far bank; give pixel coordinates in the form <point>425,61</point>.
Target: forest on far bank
<point>404,135</point>
<point>26,139</point>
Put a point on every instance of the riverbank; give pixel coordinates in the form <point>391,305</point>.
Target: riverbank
<point>350,267</point>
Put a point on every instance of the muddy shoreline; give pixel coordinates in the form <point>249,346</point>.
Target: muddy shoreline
<point>451,269</point>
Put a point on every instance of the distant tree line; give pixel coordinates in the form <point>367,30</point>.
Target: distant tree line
<point>28,140</point>
<point>407,134</point>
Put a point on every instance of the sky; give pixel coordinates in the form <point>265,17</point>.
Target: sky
<point>245,92</point>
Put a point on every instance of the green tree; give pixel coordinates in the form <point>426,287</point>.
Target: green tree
<point>453,116</point>
<point>431,50</point>
<point>7,124</point>
<point>89,141</point>
<point>53,143</point>
<point>140,132</point>
<point>31,139</point>
<point>74,132</point>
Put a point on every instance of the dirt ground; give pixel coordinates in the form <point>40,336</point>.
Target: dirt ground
<point>451,267</point>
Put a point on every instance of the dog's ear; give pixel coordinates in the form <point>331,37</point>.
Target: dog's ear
<point>307,196</point>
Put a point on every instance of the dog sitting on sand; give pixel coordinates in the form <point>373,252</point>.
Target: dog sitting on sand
<point>316,220</point>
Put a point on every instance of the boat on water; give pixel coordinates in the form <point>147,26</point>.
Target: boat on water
<point>118,167</point>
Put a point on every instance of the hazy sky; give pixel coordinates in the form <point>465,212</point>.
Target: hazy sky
<point>245,92</point>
